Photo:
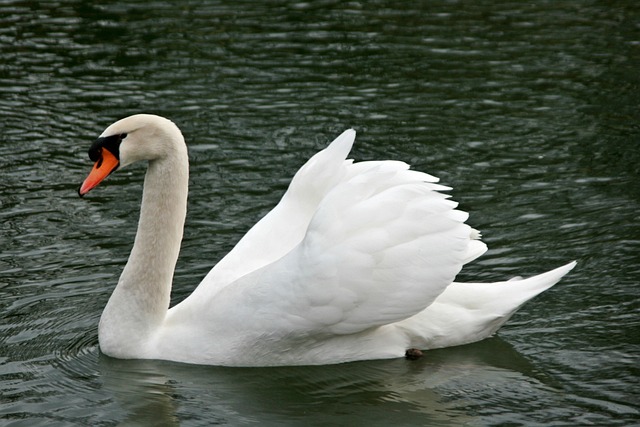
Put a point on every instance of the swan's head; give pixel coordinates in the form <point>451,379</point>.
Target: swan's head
<point>132,139</point>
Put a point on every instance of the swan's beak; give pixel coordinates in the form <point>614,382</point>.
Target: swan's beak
<point>106,164</point>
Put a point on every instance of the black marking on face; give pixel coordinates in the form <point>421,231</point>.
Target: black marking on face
<point>111,143</point>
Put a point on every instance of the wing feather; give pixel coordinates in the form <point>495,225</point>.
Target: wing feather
<point>284,226</point>
<point>380,247</point>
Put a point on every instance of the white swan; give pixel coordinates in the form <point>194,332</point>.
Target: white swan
<point>356,262</point>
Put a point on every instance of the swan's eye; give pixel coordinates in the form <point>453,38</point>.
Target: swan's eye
<point>110,143</point>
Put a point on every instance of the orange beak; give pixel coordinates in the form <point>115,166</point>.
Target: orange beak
<point>106,164</point>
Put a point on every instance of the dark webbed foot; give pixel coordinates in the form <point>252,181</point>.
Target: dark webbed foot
<point>413,354</point>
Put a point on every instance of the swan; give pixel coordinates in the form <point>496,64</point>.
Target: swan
<point>357,261</point>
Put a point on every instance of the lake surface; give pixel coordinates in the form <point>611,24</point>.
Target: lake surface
<point>529,111</point>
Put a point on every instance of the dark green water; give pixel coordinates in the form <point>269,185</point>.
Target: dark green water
<point>530,111</point>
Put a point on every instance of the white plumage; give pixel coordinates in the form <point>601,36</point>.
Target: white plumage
<point>357,261</point>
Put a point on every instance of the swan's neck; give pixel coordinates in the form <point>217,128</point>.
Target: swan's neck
<point>140,301</point>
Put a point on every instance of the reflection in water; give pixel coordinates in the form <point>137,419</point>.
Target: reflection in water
<point>143,391</point>
<point>441,387</point>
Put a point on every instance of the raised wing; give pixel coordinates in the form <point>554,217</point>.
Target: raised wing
<point>381,246</point>
<point>285,225</point>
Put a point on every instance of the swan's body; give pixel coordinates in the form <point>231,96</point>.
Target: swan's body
<point>356,262</point>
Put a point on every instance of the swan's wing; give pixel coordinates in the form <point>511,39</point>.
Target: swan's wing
<point>285,225</point>
<point>381,246</point>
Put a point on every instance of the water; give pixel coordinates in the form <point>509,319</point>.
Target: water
<point>530,111</point>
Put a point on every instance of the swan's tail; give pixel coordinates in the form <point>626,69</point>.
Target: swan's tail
<point>469,312</point>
